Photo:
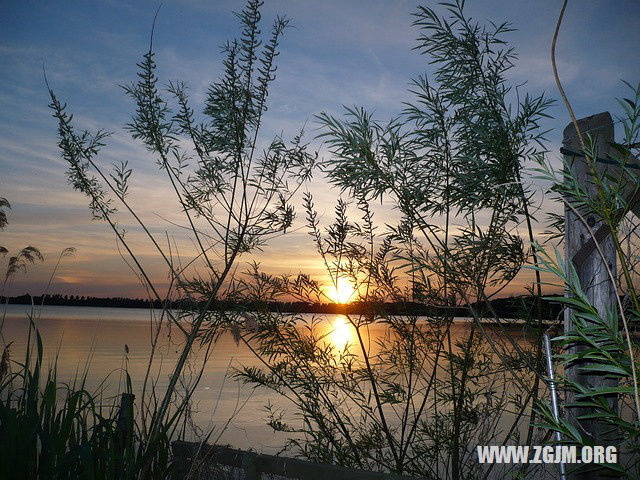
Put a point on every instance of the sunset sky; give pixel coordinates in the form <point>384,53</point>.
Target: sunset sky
<point>354,53</point>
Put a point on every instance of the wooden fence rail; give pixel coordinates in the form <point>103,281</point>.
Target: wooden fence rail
<point>255,464</point>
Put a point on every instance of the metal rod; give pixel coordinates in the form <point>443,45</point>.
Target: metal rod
<point>554,395</point>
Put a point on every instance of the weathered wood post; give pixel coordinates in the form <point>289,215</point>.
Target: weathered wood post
<point>581,251</point>
<point>250,467</point>
<point>124,432</point>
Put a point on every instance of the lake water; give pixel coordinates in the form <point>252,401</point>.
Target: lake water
<point>95,339</point>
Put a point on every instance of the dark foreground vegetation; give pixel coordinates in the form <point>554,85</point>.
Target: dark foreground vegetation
<point>53,430</point>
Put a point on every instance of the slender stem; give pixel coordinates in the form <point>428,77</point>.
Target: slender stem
<point>557,78</point>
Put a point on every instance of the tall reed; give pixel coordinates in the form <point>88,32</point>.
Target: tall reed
<point>54,430</point>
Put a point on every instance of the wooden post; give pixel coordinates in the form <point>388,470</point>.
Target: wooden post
<point>124,432</point>
<point>581,251</point>
<point>250,467</point>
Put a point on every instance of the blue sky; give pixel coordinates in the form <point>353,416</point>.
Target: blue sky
<point>338,53</point>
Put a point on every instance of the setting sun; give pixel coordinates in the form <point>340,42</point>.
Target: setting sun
<point>344,292</point>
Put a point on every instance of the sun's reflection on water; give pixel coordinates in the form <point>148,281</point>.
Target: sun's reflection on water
<point>342,333</point>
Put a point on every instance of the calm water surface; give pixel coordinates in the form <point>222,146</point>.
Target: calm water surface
<point>94,340</point>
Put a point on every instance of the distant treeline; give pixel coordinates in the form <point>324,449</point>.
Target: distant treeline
<point>511,307</point>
